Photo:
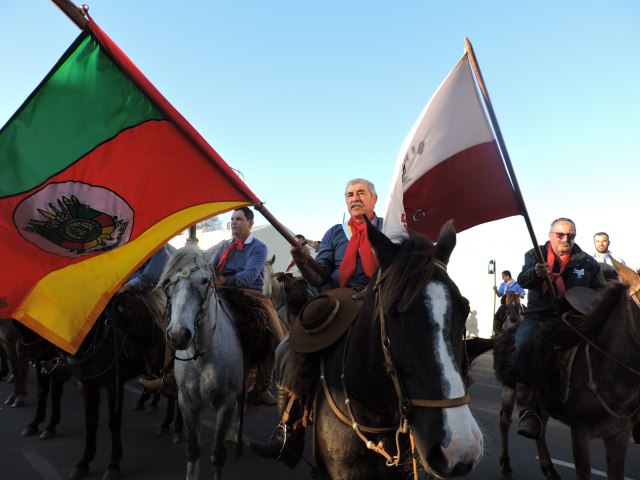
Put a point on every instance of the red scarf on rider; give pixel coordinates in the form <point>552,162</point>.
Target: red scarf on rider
<point>359,242</point>
<point>235,244</point>
<point>556,277</point>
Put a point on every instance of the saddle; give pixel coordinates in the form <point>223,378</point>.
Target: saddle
<point>252,320</point>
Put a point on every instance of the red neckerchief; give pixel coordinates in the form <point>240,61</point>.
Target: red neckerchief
<point>556,277</point>
<point>236,243</point>
<point>291,264</point>
<point>359,242</point>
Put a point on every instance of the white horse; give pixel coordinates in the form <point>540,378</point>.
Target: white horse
<point>209,360</point>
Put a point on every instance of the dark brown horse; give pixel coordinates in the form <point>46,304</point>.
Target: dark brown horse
<point>587,373</point>
<point>508,314</point>
<point>394,386</point>
<point>125,341</point>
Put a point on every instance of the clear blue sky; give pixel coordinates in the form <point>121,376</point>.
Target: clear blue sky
<point>302,96</point>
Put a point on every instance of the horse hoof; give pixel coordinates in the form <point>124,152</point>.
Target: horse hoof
<point>78,472</point>
<point>161,431</point>
<point>111,475</point>
<point>138,407</point>
<point>18,402</point>
<point>10,399</point>
<point>176,438</point>
<point>152,409</point>
<point>29,430</point>
<point>48,433</point>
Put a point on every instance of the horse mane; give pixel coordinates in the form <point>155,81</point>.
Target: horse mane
<point>401,290</point>
<point>183,257</point>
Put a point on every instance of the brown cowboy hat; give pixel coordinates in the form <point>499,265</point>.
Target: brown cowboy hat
<point>323,320</point>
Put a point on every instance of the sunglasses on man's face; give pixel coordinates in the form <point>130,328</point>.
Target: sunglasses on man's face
<point>561,235</point>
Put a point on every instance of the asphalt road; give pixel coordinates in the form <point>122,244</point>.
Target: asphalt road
<point>147,456</point>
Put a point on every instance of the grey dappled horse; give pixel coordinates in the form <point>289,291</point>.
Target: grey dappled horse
<point>209,357</point>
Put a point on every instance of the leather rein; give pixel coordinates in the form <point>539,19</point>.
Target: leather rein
<point>406,404</point>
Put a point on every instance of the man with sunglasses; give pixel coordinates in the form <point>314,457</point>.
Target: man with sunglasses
<point>567,266</point>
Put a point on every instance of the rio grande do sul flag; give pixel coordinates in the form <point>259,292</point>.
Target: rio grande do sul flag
<point>98,171</point>
<point>449,165</point>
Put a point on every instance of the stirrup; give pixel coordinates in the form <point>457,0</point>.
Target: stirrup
<point>281,427</point>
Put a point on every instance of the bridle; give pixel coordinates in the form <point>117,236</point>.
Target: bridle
<point>406,404</point>
<point>185,274</point>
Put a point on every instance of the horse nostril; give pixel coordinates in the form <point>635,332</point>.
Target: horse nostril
<point>186,337</point>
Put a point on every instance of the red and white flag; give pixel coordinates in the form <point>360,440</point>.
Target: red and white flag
<point>449,165</point>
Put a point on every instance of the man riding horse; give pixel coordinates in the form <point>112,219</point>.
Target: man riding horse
<point>567,266</point>
<point>348,263</point>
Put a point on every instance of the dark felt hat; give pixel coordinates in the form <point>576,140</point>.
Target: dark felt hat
<point>581,298</point>
<point>323,320</point>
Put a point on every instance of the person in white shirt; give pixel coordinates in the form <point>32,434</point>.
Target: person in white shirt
<point>603,254</point>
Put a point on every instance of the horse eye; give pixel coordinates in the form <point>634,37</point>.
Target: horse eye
<point>204,281</point>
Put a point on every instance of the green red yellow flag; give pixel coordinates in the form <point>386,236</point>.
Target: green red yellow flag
<point>98,171</point>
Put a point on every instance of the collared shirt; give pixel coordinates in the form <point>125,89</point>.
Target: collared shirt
<point>243,269</point>
<point>332,249</point>
<point>606,258</point>
<point>510,286</point>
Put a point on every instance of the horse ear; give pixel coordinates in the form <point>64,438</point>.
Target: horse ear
<point>384,249</point>
<point>446,241</point>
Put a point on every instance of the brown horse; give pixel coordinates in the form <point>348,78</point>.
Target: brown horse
<point>587,374</point>
<point>393,388</point>
<point>18,358</point>
<point>508,314</point>
<point>125,341</point>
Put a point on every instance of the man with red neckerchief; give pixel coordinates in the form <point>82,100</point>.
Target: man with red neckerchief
<point>567,266</point>
<point>346,256</point>
<point>345,253</point>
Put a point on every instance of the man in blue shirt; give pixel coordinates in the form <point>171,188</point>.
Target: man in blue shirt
<point>508,285</point>
<point>346,257</point>
<point>239,263</point>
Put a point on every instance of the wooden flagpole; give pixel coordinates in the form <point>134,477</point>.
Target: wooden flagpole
<point>291,239</point>
<point>507,161</point>
<point>76,14</point>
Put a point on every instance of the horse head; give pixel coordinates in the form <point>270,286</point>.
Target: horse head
<point>187,280</point>
<point>269,277</point>
<point>419,319</point>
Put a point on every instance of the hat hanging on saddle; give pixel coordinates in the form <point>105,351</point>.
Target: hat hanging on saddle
<point>323,320</point>
<point>581,298</point>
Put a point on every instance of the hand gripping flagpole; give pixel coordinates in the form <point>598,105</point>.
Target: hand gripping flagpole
<point>507,162</point>
<point>292,240</point>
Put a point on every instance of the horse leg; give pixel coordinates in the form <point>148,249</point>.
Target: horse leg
<point>616,448</point>
<point>225,414</point>
<point>580,441</point>
<point>57,388</point>
<point>139,405</point>
<point>168,417</point>
<point>115,396</point>
<point>546,465</point>
<point>506,412</point>
<point>44,384</point>
<point>91,397</point>
<point>193,435</point>
<point>178,427</point>
<point>153,406</point>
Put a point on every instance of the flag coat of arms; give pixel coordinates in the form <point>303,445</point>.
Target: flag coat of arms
<point>449,166</point>
<point>98,171</point>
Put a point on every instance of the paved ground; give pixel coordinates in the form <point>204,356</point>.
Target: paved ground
<point>149,457</point>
